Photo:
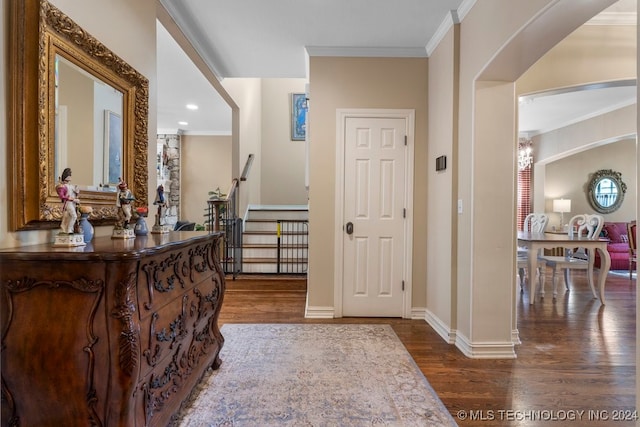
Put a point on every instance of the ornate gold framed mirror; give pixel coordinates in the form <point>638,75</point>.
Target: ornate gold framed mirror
<point>605,191</point>
<point>100,132</point>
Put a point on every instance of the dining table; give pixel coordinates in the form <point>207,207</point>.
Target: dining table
<point>535,242</point>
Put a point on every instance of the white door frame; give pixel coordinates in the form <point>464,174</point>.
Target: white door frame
<point>342,114</point>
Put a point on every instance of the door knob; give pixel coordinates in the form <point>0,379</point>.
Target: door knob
<point>349,228</point>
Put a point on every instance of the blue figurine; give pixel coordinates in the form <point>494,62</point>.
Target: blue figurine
<point>161,202</point>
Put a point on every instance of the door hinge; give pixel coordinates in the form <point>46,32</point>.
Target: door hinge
<point>405,140</point>
<point>404,212</point>
<point>403,286</point>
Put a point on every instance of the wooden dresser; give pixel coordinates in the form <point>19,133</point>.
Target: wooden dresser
<point>116,333</point>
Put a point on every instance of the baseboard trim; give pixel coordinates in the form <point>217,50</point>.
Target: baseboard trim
<point>485,350</point>
<point>319,312</point>
<point>418,313</point>
<point>441,328</point>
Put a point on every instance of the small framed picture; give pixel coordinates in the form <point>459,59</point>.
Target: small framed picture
<point>112,148</point>
<point>298,116</point>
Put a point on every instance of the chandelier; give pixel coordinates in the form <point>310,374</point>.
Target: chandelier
<point>525,155</point>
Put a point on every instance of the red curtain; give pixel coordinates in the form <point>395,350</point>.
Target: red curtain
<point>524,195</point>
<point>524,182</point>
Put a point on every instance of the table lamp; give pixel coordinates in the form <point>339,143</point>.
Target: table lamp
<point>562,206</point>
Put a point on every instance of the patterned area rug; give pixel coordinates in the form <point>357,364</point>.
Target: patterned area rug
<point>314,375</point>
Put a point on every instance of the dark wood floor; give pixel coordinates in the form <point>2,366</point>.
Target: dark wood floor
<point>575,366</point>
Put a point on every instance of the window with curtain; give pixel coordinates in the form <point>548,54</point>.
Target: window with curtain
<point>525,161</point>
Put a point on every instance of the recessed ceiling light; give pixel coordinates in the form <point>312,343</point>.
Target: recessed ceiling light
<point>183,123</point>
<point>192,106</point>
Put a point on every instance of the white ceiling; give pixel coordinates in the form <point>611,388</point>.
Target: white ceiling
<point>270,39</point>
<point>552,110</point>
<point>181,83</point>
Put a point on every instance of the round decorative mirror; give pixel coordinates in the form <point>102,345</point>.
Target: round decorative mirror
<point>606,191</point>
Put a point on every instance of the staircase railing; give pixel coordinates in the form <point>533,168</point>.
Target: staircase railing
<point>224,217</point>
<point>247,168</point>
<point>293,246</point>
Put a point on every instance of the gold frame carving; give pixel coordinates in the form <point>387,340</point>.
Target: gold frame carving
<point>594,180</point>
<point>40,32</point>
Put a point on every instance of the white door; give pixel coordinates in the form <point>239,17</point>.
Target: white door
<point>374,213</point>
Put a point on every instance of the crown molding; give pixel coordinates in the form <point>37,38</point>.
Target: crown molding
<point>173,131</point>
<point>377,52</point>
<point>193,132</point>
<point>206,133</point>
<point>447,23</point>
<point>190,29</point>
<point>453,17</point>
<point>464,9</point>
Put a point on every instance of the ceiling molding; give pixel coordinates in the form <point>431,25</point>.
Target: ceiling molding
<point>579,88</point>
<point>176,131</point>
<point>191,31</point>
<point>452,18</point>
<point>173,131</point>
<point>464,8</point>
<point>447,23</point>
<point>206,133</point>
<point>371,52</point>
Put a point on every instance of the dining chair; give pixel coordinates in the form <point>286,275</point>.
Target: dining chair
<point>587,226</point>
<point>184,226</point>
<point>534,223</point>
<point>633,247</point>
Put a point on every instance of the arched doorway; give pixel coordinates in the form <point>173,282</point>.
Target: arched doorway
<point>487,175</point>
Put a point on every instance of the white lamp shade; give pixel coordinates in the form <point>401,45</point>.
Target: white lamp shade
<point>562,205</point>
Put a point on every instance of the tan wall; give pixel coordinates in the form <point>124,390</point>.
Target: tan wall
<point>577,138</point>
<point>76,93</point>
<point>135,42</point>
<point>207,166</point>
<point>479,318</point>
<point>486,146</point>
<point>583,57</point>
<point>441,213</point>
<point>568,178</point>
<point>592,53</point>
<point>359,83</point>
<point>364,83</point>
<point>283,160</point>
<point>247,95</point>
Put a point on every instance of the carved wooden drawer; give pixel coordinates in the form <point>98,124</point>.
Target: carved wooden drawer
<point>166,275</point>
<point>89,339</point>
<point>180,337</point>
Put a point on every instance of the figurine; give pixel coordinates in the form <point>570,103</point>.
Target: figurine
<point>68,237</point>
<point>123,201</point>
<point>69,196</point>
<point>161,202</point>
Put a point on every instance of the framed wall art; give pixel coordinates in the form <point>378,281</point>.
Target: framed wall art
<point>298,116</point>
<point>112,147</point>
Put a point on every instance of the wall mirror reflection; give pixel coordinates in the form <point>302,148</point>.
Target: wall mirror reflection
<point>88,128</point>
<point>605,191</point>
